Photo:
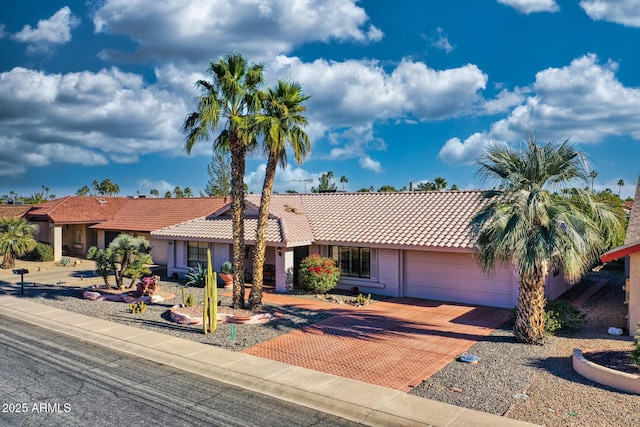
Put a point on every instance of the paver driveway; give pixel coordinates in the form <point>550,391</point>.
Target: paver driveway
<point>395,343</point>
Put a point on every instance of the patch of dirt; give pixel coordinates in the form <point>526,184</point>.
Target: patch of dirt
<point>616,359</point>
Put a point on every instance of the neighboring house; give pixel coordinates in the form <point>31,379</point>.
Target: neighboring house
<point>14,211</point>
<point>631,252</point>
<point>412,244</point>
<point>73,224</point>
<point>65,223</point>
<point>140,216</point>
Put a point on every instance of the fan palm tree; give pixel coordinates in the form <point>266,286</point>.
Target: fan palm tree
<point>343,181</point>
<point>227,102</point>
<point>16,239</point>
<point>280,123</point>
<point>440,183</point>
<point>593,175</point>
<point>523,222</point>
<point>620,185</point>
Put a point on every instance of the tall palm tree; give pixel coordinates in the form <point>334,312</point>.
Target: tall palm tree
<point>281,125</point>
<point>227,102</point>
<point>16,239</point>
<point>620,185</point>
<point>343,181</point>
<point>524,222</point>
<point>593,175</point>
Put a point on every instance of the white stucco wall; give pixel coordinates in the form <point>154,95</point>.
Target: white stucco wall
<point>634,292</point>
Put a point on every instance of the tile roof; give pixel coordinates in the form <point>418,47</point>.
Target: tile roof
<point>78,209</point>
<point>419,219</point>
<point>422,219</point>
<point>148,214</point>
<point>14,211</point>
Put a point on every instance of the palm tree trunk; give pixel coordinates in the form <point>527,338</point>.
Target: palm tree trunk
<point>530,317</point>
<point>255,298</point>
<point>238,152</point>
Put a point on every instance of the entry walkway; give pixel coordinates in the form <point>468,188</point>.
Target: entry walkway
<point>395,343</point>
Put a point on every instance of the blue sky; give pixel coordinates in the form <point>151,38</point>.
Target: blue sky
<point>400,91</point>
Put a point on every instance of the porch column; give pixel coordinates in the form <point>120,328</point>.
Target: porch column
<point>634,292</point>
<point>284,269</point>
<point>57,242</point>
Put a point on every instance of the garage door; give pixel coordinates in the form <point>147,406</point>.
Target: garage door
<point>455,277</point>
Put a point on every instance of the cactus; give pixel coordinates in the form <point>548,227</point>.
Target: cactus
<point>184,301</point>
<point>210,315</point>
<point>190,301</point>
<point>138,307</point>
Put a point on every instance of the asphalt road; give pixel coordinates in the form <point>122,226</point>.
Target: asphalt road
<point>50,379</point>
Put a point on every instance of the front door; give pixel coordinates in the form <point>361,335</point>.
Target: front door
<point>299,253</point>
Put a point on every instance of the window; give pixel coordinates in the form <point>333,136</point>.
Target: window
<point>197,253</point>
<point>353,262</point>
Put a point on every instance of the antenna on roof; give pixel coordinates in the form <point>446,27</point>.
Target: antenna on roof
<point>302,180</point>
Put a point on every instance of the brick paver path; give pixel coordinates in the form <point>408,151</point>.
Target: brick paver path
<point>395,343</point>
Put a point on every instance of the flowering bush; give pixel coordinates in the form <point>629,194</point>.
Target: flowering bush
<point>318,274</point>
<point>148,285</point>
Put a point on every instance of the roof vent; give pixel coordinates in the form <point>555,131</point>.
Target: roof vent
<point>291,209</point>
<point>102,201</point>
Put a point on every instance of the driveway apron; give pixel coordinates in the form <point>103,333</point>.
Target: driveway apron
<point>395,343</point>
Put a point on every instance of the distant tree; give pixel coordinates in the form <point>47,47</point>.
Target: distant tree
<point>366,190</point>
<point>410,185</point>
<point>593,175</point>
<point>343,181</point>
<point>17,238</point>
<point>168,195</point>
<point>291,192</point>
<point>387,189</point>
<point>106,187</point>
<point>188,192</point>
<point>219,171</point>
<point>324,183</point>
<point>154,192</point>
<point>425,186</point>
<point>453,187</point>
<point>620,185</point>
<point>440,183</point>
<point>83,191</point>
<point>177,191</point>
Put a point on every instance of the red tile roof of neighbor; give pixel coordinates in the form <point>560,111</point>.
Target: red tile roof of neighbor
<point>419,219</point>
<point>14,211</point>
<point>78,209</point>
<point>152,214</point>
<point>632,240</point>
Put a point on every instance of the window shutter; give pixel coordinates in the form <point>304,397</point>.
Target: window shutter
<point>185,251</point>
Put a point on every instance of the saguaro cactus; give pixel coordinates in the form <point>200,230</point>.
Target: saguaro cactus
<point>210,315</point>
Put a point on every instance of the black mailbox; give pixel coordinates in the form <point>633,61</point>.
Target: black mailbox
<point>21,272</point>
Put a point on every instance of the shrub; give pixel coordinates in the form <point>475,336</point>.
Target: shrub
<point>42,252</point>
<point>148,285</point>
<point>196,276</point>
<point>318,274</point>
<point>138,307</point>
<point>226,268</point>
<point>65,261</point>
<point>362,300</point>
<point>635,353</point>
<point>562,316</point>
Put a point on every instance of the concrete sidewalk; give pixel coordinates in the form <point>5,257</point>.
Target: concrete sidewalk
<point>360,402</point>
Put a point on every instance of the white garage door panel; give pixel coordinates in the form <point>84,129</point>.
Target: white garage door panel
<point>455,277</point>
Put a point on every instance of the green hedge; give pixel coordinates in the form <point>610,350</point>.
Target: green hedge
<point>42,252</point>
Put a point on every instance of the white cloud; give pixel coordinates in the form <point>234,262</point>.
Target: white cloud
<point>504,101</point>
<point>162,186</point>
<point>456,151</point>
<point>530,6</point>
<point>287,178</point>
<point>49,32</point>
<point>368,163</point>
<point>442,42</point>
<point>175,29</point>
<point>86,118</point>
<point>625,12</point>
<point>353,92</point>
<point>583,101</point>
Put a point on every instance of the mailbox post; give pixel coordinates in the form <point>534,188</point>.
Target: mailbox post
<point>21,272</point>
